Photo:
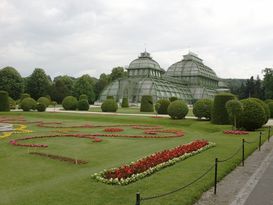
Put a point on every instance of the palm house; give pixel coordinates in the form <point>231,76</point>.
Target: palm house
<point>188,79</point>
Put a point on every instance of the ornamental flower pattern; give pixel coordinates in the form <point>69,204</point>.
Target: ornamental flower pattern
<point>236,132</point>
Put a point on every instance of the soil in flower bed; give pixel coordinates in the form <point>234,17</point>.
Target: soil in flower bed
<point>236,132</point>
<point>60,158</point>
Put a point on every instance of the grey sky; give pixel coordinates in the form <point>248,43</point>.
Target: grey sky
<point>234,37</point>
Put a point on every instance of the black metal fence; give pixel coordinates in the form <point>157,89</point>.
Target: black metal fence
<point>217,161</point>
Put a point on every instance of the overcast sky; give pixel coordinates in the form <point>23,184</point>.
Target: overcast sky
<point>234,37</point>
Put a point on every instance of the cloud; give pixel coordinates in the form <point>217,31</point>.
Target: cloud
<point>76,37</point>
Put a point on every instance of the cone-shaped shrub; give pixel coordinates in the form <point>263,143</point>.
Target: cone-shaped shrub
<point>4,101</point>
<point>124,102</point>
<point>146,104</point>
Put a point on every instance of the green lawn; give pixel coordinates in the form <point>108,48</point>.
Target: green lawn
<point>27,179</point>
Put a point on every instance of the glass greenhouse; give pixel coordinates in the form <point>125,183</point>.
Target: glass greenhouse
<point>188,79</point>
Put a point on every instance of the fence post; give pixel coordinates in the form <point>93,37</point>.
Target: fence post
<point>260,141</point>
<point>215,175</point>
<point>268,137</point>
<point>243,152</point>
<point>137,198</point>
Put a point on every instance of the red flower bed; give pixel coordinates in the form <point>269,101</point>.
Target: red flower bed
<point>113,129</point>
<point>146,163</point>
<point>236,132</point>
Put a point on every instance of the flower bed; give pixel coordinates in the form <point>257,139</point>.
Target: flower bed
<point>60,158</point>
<point>148,165</point>
<point>235,132</point>
<point>113,129</point>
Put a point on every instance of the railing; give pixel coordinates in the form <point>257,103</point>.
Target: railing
<point>241,149</point>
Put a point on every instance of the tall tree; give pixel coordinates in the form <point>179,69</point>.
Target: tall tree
<point>85,85</point>
<point>11,81</point>
<point>67,80</point>
<point>38,84</point>
<point>59,91</point>
<point>268,83</point>
<point>103,81</point>
<point>117,72</point>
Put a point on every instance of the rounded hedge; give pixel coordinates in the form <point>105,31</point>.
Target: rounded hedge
<point>178,109</point>
<point>124,102</point>
<point>146,104</point>
<point>161,106</point>
<point>83,104</point>
<point>110,97</point>
<point>265,107</point>
<point>253,115</point>
<point>109,105</point>
<point>267,101</point>
<point>270,105</point>
<point>4,101</point>
<point>41,107</point>
<point>234,110</point>
<point>28,104</point>
<point>70,103</point>
<point>219,113</point>
<point>24,95</point>
<point>12,103</point>
<point>202,108</point>
<point>83,97</point>
<point>44,100</point>
<point>173,99</point>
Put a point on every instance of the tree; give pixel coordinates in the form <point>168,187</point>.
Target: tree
<point>103,81</point>
<point>84,85</point>
<point>234,110</point>
<point>268,83</point>
<point>11,81</point>
<point>38,84</point>
<point>117,72</point>
<point>67,80</point>
<point>59,90</point>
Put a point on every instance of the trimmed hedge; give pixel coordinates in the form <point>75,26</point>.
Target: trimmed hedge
<point>202,108</point>
<point>265,107</point>
<point>173,99</point>
<point>234,110</point>
<point>83,104</point>
<point>219,113</point>
<point>178,109</point>
<point>270,105</point>
<point>124,102</point>
<point>44,100</point>
<point>4,101</point>
<point>83,97</point>
<point>24,95</point>
<point>267,101</point>
<point>110,97</point>
<point>70,103</point>
<point>41,107</point>
<point>28,104</point>
<point>146,104</point>
<point>109,105</point>
<point>161,106</point>
<point>253,115</point>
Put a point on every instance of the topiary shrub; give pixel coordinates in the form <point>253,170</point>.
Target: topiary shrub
<point>265,107</point>
<point>44,100</point>
<point>178,109</point>
<point>219,113</point>
<point>70,103</point>
<point>12,103</point>
<point>41,107</point>
<point>110,97</point>
<point>161,106</point>
<point>270,105</point>
<point>24,95</point>
<point>146,104</point>
<point>267,101</point>
<point>124,102</point>
<point>202,108</point>
<point>4,101</point>
<point>83,97</point>
<point>28,104</point>
<point>253,115</point>
<point>173,99</point>
<point>83,104</point>
<point>109,105</point>
<point>234,110</point>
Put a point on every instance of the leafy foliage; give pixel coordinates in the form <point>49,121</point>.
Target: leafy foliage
<point>161,106</point>
<point>28,104</point>
<point>12,103</point>
<point>270,105</point>
<point>70,103</point>
<point>124,102</point>
<point>83,97</point>
<point>83,104</point>
<point>146,104</point>
<point>4,101</point>
<point>265,107</point>
<point>85,85</point>
<point>234,109</point>
<point>41,107</point>
<point>178,109</point>
<point>173,99</point>
<point>59,90</point>
<point>109,105</point>
<point>202,108</point>
<point>44,100</point>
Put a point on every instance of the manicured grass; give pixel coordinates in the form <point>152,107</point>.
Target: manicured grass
<point>27,179</point>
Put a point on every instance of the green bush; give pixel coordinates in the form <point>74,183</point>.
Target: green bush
<point>41,107</point>
<point>270,105</point>
<point>83,104</point>
<point>44,100</point>
<point>83,97</point>
<point>267,101</point>
<point>202,108</point>
<point>28,104</point>
<point>178,109</point>
<point>219,113</point>
<point>24,95</point>
<point>253,115</point>
<point>146,104</point>
<point>70,103</point>
<point>109,105</point>
<point>265,107</point>
<point>161,106</point>
<point>124,102</point>
<point>4,101</point>
<point>173,99</point>
<point>234,110</point>
<point>12,103</point>
<point>110,97</point>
